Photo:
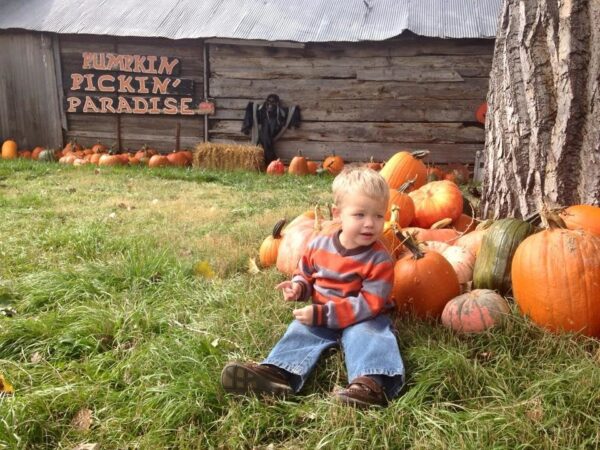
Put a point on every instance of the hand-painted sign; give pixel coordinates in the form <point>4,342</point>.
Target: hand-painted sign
<point>132,84</point>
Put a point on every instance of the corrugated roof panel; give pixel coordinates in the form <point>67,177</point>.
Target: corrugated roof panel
<point>271,20</point>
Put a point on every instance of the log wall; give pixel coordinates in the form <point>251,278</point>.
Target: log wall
<point>360,100</point>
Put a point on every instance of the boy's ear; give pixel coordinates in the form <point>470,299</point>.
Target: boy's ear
<point>335,211</point>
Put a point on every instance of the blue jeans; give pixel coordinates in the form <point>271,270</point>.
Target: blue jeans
<point>370,348</point>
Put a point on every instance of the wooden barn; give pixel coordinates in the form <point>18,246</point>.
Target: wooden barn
<point>370,77</point>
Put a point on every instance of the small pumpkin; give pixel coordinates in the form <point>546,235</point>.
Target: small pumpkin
<point>313,167</point>
<point>465,223</point>
<point>582,217</point>
<point>269,248</point>
<point>9,149</point>
<point>177,159</point>
<point>276,167</point>
<point>475,311</point>
<point>107,159</point>
<point>377,166</point>
<point>333,164</point>
<point>481,113</point>
<point>47,155</point>
<point>435,174</point>
<point>298,165</point>
<point>25,154</point>
<point>437,232</point>
<point>404,166</point>
<point>158,161</point>
<point>35,153</point>
<point>555,276</point>
<point>424,281</point>
<point>493,265</point>
<point>436,201</point>
<point>99,148</point>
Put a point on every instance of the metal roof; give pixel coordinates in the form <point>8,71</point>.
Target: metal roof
<point>270,20</point>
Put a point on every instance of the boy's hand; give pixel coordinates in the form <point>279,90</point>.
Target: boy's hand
<point>304,315</point>
<point>291,290</point>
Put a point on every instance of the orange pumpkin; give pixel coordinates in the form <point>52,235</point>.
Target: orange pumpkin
<point>333,164</point>
<point>269,248</point>
<point>436,201</point>
<point>295,239</point>
<point>25,154</point>
<point>437,232</point>
<point>276,167</point>
<point>465,223</point>
<point>72,146</point>
<point>423,282</point>
<point>99,148</point>
<point>582,217</point>
<point>435,174</point>
<point>298,165</point>
<point>475,311</point>
<point>481,113</point>
<point>9,149</point>
<point>377,166</point>
<point>158,161</point>
<point>177,159</point>
<point>35,153</point>
<point>404,166</point>
<point>555,277</point>
<point>406,207</point>
<point>312,167</point>
<point>109,160</point>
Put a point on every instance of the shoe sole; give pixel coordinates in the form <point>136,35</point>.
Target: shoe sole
<point>238,379</point>
<point>354,402</point>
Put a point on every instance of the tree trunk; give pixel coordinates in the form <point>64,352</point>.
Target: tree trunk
<point>543,121</point>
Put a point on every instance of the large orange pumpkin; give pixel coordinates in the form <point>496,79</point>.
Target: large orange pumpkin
<point>582,217</point>
<point>423,282</point>
<point>404,166</point>
<point>556,279</point>
<point>9,149</point>
<point>436,201</point>
<point>475,311</point>
<point>295,239</point>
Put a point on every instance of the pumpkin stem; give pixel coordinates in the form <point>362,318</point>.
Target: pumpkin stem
<point>394,215</point>
<point>441,224</point>
<point>410,242</point>
<point>276,233</point>
<point>484,225</point>
<point>551,218</point>
<point>420,154</point>
<point>406,185</point>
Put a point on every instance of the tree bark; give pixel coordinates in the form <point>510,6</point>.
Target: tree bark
<point>543,121</point>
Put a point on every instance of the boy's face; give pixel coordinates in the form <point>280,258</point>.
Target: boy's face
<point>362,219</point>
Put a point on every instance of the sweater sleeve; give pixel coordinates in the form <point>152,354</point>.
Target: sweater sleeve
<point>370,301</point>
<point>303,275</point>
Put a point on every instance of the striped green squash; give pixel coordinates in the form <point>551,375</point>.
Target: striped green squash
<point>493,264</point>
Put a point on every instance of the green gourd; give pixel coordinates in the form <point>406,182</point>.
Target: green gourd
<point>493,264</point>
<point>47,155</point>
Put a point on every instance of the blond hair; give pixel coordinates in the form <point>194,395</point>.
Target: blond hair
<point>361,181</point>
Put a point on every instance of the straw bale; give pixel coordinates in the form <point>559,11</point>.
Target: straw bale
<point>212,155</point>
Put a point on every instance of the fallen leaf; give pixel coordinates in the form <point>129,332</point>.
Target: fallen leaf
<point>252,266</point>
<point>36,358</point>
<point>5,387</point>
<point>203,269</point>
<point>82,420</point>
<point>215,342</point>
<point>112,215</point>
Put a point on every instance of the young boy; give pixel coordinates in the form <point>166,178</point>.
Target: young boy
<point>349,275</point>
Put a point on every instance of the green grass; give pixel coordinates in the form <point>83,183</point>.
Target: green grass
<point>111,317</point>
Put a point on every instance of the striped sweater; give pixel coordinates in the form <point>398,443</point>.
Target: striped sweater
<point>346,286</point>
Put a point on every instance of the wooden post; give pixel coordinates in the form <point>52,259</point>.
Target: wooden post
<point>177,135</point>
<point>206,73</point>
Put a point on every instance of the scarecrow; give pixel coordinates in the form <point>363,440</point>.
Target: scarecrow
<point>266,123</point>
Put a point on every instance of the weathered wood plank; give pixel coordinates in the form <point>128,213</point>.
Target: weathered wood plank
<point>407,46</point>
<point>403,110</point>
<point>300,90</point>
<point>354,151</point>
<point>365,132</point>
<point>347,67</point>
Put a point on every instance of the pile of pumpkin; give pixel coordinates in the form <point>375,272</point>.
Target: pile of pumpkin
<point>451,267</point>
<point>99,155</point>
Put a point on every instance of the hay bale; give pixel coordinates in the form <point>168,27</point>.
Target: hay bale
<point>211,155</point>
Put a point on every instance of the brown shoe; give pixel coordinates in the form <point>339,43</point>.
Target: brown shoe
<point>362,392</point>
<point>241,378</point>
